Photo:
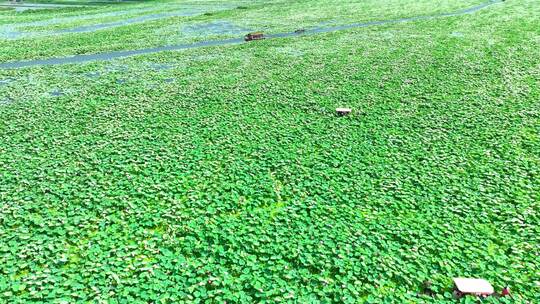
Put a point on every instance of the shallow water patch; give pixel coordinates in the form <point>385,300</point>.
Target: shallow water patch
<point>113,68</point>
<point>95,27</point>
<point>93,75</point>
<point>21,7</point>
<point>14,31</point>
<point>11,32</point>
<point>160,66</point>
<point>220,27</point>
<point>18,30</point>
<point>56,93</point>
<point>6,101</point>
<point>290,51</point>
<point>116,54</point>
<point>205,57</point>
<point>6,81</point>
<point>456,34</point>
<point>182,11</point>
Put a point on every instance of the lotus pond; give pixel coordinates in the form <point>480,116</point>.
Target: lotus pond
<point>221,173</point>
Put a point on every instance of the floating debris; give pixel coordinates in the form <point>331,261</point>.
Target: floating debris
<point>300,31</point>
<point>343,111</point>
<point>254,36</point>
<point>475,287</point>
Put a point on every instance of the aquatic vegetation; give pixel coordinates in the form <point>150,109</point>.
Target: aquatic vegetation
<point>224,174</point>
<point>258,15</point>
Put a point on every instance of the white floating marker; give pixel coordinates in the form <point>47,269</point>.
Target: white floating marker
<point>476,287</point>
<point>343,111</point>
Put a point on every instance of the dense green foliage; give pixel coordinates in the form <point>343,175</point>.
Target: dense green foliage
<point>222,173</point>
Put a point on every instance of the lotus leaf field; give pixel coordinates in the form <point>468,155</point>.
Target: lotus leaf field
<point>221,173</point>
